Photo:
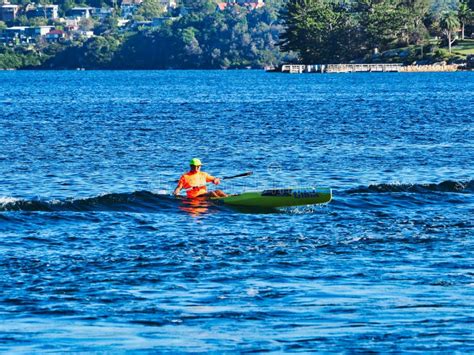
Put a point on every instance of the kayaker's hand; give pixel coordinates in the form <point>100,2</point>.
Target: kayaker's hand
<point>217,181</point>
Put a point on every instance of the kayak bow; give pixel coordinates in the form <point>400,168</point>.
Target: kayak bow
<point>280,197</point>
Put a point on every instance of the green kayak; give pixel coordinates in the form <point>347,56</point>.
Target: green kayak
<point>280,197</point>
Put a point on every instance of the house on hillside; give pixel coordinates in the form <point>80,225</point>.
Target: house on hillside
<point>47,11</point>
<point>129,7</point>
<point>141,25</point>
<point>122,22</point>
<point>23,34</point>
<point>70,24</point>
<point>80,12</point>
<point>38,31</point>
<point>102,13</point>
<point>56,36</point>
<point>80,34</point>
<point>13,35</point>
<point>249,4</point>
<point>8,12</point>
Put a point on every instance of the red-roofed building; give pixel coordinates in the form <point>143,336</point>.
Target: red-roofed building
<point>55,36</point>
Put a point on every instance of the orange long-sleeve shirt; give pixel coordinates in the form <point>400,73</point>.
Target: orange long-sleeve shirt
<point>195,183</point>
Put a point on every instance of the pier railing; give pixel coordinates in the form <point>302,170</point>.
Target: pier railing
<point>364,68</point>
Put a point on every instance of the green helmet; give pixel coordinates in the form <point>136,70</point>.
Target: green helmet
<point>195,162</point>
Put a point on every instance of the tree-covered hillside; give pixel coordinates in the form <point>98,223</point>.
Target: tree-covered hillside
<point>198,34</point>
<point>234,38</point>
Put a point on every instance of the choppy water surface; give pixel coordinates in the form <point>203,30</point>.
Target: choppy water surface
<point>95,255</point>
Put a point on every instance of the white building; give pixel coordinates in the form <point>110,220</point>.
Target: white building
<point>80,12</point>
<point>47,11</point>
<point>102,13</point>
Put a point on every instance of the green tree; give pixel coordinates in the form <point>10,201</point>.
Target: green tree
<point>98,52</point>
<point>22,20</point>
<point>200,6</point>
<point>466,16</point>
<point>108,25</point>
<point>95,53</point>
<point>383,23</point>
<point>18,58</point>
<point>30,57</point>
<point>308,24</point>
<point>191,44</point>
<point>417,12</point>
<point>450,25</point>
<point>234,38</point>
<point>65,6</point>
<point>9,60</point>
<point>150,9</point>
<point>86,24</point>
<point>38,21</point>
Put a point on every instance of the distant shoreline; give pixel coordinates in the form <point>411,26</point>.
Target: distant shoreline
<point>403,69</point>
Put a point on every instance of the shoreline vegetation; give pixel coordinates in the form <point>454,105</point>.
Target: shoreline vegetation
<point>419,34</point>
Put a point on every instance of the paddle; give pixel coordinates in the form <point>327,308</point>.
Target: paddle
<point>234,176</point>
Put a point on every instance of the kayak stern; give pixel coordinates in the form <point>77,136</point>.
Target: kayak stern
<point>280,197</point>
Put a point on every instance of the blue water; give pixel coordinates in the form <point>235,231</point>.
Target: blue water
<point>95,255</point>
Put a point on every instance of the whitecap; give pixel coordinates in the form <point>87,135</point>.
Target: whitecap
<point>7,200</point>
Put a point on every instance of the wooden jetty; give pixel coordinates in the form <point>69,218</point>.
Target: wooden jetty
<point>430,68</point>
<point>365,68</point>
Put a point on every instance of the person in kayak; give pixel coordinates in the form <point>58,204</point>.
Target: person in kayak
<point>194,182</point>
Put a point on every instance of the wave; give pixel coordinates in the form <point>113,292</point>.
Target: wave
<point>139,201</point>
<point>445,186</point>
<point>145,201</point>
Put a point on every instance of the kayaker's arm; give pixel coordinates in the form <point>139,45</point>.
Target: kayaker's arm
<point>214,180</point>
<point>178,188</point>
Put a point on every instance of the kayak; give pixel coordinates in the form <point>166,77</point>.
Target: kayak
<point>280,197</point>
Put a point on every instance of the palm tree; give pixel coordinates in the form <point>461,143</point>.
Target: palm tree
<point>466,15</point>
<point>450,25</point>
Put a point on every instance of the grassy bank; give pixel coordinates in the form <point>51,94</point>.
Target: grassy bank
<point>464,47</point>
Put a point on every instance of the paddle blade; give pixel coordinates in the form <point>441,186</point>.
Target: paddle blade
<point>236,176</point>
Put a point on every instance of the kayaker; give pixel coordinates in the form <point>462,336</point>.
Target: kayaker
<point>194,182</point>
